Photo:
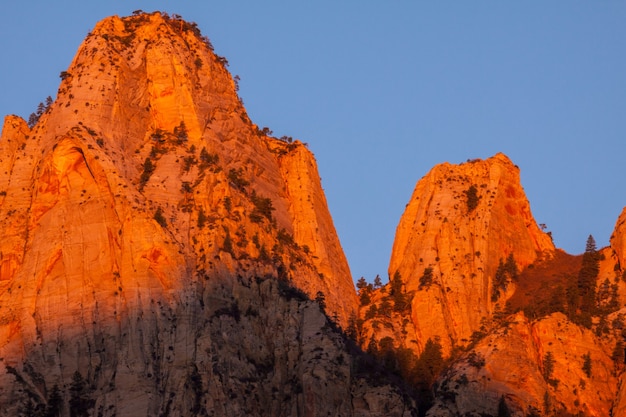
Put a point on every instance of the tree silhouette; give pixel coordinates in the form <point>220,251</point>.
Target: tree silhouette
<point>320,298</point>
<point>503,409</point>
<point>587,277</point>
<point>55,402</point>
<point>80,403</point>
<point>398,295</point>
<point>378,282</point>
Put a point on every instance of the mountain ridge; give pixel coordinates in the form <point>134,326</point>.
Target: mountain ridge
<point>178,260</point>
<point>144,218</point>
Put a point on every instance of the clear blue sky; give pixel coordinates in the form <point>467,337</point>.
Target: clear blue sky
<point>384,90</point>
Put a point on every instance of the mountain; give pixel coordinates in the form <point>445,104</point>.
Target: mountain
<point>162,255</point>
<point>485,316</point>
<point>461,222</point>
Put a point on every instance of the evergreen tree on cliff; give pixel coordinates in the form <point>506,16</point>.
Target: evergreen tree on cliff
<point>587,277</point>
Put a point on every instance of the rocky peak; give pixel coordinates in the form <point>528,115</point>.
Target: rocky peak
<point>145,198</point>
<point>461,223</point>
<point>148,103</point>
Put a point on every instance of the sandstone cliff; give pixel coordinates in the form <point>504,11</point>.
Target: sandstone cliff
<point>618,239</point>
<point>153,238</point>
<point>474,279</point>
<point>460,223</point>
<point>535,367</point>
<point>160,252</point>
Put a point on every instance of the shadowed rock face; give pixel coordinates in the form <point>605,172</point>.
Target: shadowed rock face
<point>159,243</point>
<point>461,221</point>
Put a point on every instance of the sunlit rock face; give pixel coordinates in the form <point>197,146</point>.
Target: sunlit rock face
<point>461,222</point>
<point>159,243</point>
<point>618,239</point>
<point>536,367</point>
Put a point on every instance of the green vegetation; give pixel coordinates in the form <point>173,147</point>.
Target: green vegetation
<point>548,369</point>
<point>472,198</point>
<point>235,177</point>
<point>507,271</point>
<point>503,409</point>
<point>160,218</point>
<point>80,403</point>
<point>180,133</point>
<point>41,109</point>
<point>619,354</point>
<point>587,277</point>
<point>364,291</point>
<point>194,381</point>
<point>262,208</point>
<point>587,364</point>
<point>378,282</point>
<point>207,160</point>
<point>227,246</point>
<point>320,299</point>
<point>426,279</point>
<point>400,299</point>
<point>148,169</point>
<point>55,403</point>
<point>201,218</point>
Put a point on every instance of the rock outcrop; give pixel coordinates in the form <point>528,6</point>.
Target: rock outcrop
<point>618,239</point>
<point>165,248</point>
<point>550,367</point>
<point>162,255</point>
<point>460,224</point>
<point>472,273</point>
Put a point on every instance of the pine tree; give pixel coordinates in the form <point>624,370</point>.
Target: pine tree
<point>427,368</point>
<point>32,120</point>
<point>587,277</point>
<point>400,302</point>
<point>79,397</point>
<point>41,108</point>
<point>378,282</point>
<point>55,403</point>
<point>372,347</point>
<point>548,369</point>
<point>352,330</point>
<point>503,409</point>
<point>364,290</point>
<point>320,298</point>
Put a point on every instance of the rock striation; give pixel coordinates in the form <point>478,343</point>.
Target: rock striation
<point>162,247</point>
